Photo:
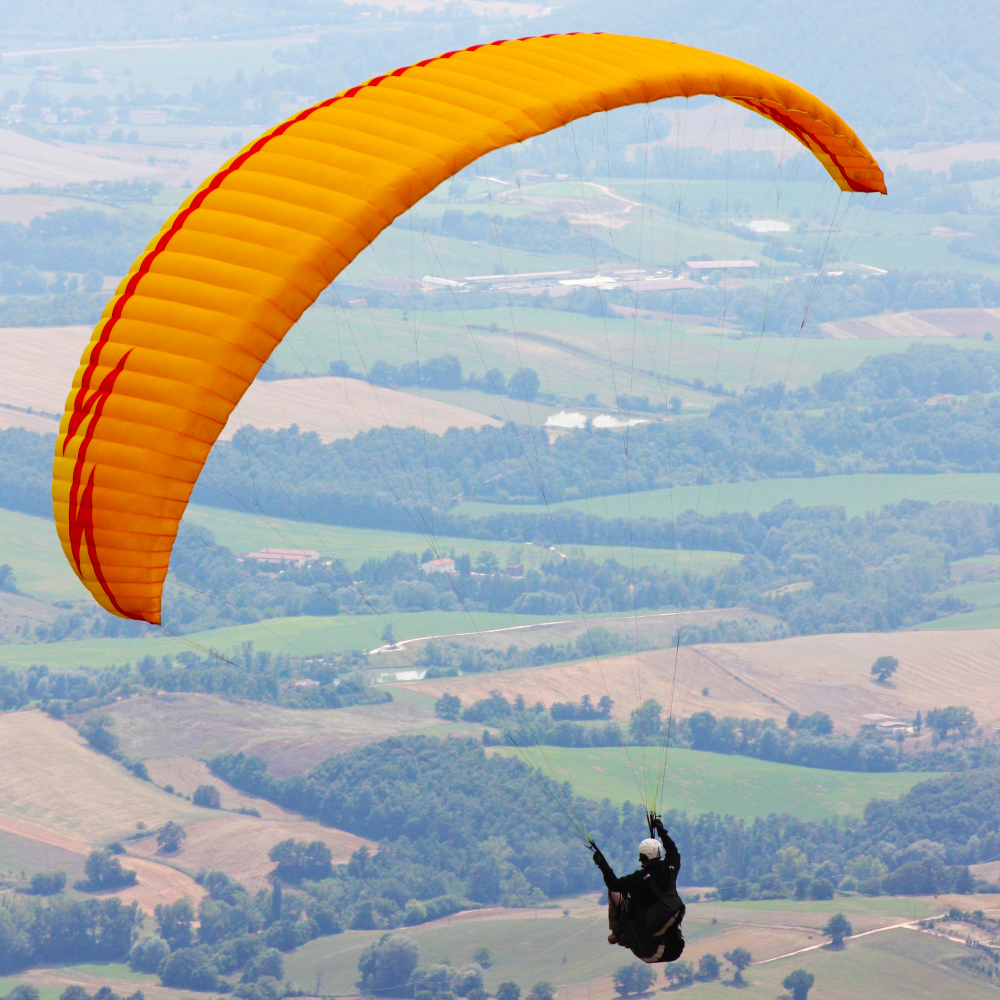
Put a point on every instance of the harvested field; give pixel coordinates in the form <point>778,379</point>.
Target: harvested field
<point>37,423</point>
<point>25,161</point>
<point>52,981</point>
<point>20,852</point>
<point>19,616</point>
<point>185,774</point>
<point>342,407</point>
<point>968,323</point>
<point>156,882</point>
<point>22,208</point>
<point>50,778</point>
<point>38,365</point>
<point>290,740</point>
<point>239,845</point>
<point>938,159</point>
<point>770,679</point>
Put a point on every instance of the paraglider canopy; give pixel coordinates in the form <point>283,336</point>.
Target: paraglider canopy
<point>214,293</point>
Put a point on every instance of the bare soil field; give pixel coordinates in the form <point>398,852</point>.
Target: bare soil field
<point>770,679</point>
<point>342,407</point>
<point>969,323</point>
<point>239,845</point>
<point>290,740</point>
<point>50,778</point>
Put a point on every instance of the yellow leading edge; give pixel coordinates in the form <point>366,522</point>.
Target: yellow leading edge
<point>214,293</point>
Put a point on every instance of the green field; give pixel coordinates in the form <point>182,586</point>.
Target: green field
<point>291,636</point>
<point>700,782</point>
<point>246,532</point>
<point>30,545</point>
<point>644,353</point>
<point>526,949</point>
<point>572,949</point>
<point>985,595</point>
<point>856,493</point>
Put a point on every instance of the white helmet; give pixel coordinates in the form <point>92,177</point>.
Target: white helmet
<point>651,848</point>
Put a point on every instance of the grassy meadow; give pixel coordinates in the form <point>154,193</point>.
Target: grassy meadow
<point>701,782</point>
<point>857,494</point>
<point>31,547</point>
<point>567,947</point>
<point>304,636</point>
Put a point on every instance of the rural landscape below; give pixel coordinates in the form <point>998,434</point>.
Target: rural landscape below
<point>440,440</point>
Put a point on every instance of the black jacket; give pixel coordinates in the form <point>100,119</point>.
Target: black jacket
<point>651,882</point>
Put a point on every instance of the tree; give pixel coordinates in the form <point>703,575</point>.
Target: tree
<point>23,991</point>
<point>634,978</point>
<point>679,974</point>
<point>174,922</point>
<point>918,723</point>
<point>104,871</point>
<point>483,957</point>
<point>739,958</point>
<point>297,860</point>
<point>524,384</point>
<point>8,582</point>
<point>148,954</point>
<point>821,888</point>
<point>47,883</point>
<point>93,281</point>
<point>799,983</point>
<point>387,965</point>
<point>448,707</point>
<point>645,722</point>
<point>708,968</point>
<point>541,991</point>
<point>838,927</point>
<point>954,718</point>
<point>207,796</point>
<point>508,991</point>
<point>276,902</point>
<point>882,669</point>
<point>171,837</point>
<point>790,864</point>
<point>389,634</point>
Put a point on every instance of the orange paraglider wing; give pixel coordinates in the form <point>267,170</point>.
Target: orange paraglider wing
<point>229,274</point>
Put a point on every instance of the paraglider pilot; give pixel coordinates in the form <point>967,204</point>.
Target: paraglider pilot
<point>644,909</point>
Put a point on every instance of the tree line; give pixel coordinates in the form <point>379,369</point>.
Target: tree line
<point>803,742</point>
